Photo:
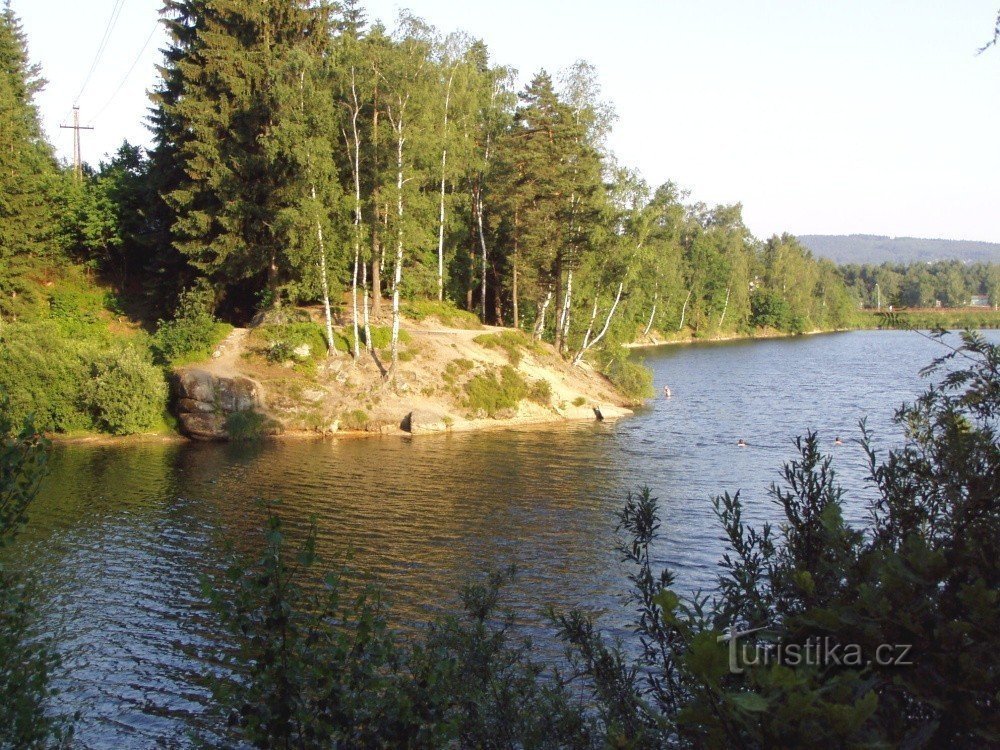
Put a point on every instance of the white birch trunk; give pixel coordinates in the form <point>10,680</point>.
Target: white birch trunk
<point>684,310</point>
<point>652,315</point>
<point>725,307</point>
<point>540,323</point>
<point>444,164</point>
<point>324,280</point>
<point>607,324</point>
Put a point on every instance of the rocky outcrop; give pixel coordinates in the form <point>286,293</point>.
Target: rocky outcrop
<point>205,401</point>
<point>422,421</point>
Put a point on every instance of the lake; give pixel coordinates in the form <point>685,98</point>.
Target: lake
<point>121,537</point>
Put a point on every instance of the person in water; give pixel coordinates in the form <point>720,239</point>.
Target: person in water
<point>666,391</point>
<point>741,443</point>
<point>838,441</point>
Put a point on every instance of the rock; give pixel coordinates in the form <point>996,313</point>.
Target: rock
<point>302,351</point>
<point>205,401</point>
<point>203,426</point>
<point>422,421</point>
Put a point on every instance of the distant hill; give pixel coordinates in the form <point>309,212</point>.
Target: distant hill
<point>870,248</point>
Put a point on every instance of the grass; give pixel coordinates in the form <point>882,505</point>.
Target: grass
<point>456,368</point>
<point>445,312</point>
<point>354,421</point>
<point>495,396</point>
<point>245,426</point>
<point>513,343</point>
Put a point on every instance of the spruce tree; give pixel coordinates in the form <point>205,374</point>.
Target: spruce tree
<point>29,180</point>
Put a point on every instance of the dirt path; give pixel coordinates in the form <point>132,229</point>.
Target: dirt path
<point>230,350</point>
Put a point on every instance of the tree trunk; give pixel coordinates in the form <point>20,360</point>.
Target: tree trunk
<point>397,271</point>
<point>482,246</point>
<point>607,324</point>
<point>355,112</point>
<point>725,307</point>
<point>444,163</point>
<point>684,310</point>
<point>652,315</point>
<point>566,309</point>
<point>540,322</point>
<point>513,290</point>
<point>324,280</point>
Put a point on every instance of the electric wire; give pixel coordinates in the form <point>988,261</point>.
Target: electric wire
<point>128,73</point>
<point>116,12</point>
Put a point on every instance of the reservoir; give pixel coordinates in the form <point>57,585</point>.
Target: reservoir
<point>121,536</point>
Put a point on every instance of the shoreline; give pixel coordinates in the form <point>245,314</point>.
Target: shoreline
<point>610,412</point>
<point>738,337</point>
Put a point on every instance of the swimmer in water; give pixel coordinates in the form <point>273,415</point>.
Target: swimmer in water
<point>838,441</point>
<point>666,391</point>
<point>741,443</point>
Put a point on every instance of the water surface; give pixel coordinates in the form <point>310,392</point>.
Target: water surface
<point>122,536</point>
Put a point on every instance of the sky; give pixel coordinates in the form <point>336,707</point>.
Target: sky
<point>855,116</point>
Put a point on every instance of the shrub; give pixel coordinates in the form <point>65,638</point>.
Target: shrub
<point>382,336</point>
<point>512,342</point>
<point>579,401</point>
<point>126,393</point>
<point>26,657</point>
<point>354,421</point>
<point>244,426</point>
<point>541,392</point>
<point>187,339</point>
<point>316,665</point>
<point>282,340</point>
<point>448,315</point>
<point>631,379</point>
<point>43,372</point>
<point>487,394</point>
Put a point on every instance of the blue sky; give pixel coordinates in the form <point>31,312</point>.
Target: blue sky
<point>868,116</point>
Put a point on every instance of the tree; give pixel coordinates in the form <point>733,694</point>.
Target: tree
<point>29,182</point>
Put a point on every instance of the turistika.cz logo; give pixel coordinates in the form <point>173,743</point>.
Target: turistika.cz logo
<point>820,652</point>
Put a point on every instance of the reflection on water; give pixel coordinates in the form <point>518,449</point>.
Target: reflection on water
<point>121,537</point>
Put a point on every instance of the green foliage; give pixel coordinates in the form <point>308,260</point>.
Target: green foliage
<point>245,426</point>
<point>382,337</point>
<point>513,343</point>
<point>282,341</point>
<point>495,396</point>
<point>445,312</point>
<point>768,309</point>
<point>26,659</point>
<point>579,401</point>
<point>541,392</point>
<point>630,378</point>
<point>316,665</point>
<point>125,393</point>
<point>354,421</point>
<point>193,333</point>
<point>921,575</point>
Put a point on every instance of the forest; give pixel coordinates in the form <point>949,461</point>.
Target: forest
<point>302,155</point>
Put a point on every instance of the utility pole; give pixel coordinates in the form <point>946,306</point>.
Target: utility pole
<point>76,127</point>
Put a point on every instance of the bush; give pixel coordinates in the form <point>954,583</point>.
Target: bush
<point>126,394</point>
<point>187,339</point>
<point>633,380</point>
<point>541,392</point>
<point>354,421</point>
<point>316,666</point>
<point>244,426</point>
<point>487,394</point>
<point>282,340</point>
<point>43,373</point>
<point>382,336</point>
<point>446,313</point>
<point>513,343</point>
<point>26,658</point>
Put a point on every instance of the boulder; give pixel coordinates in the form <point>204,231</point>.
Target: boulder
<point>204,402</point>
<point>422,421</point>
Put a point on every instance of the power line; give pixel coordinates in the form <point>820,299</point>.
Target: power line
<point>128,73</point>
<point>116,11</point>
